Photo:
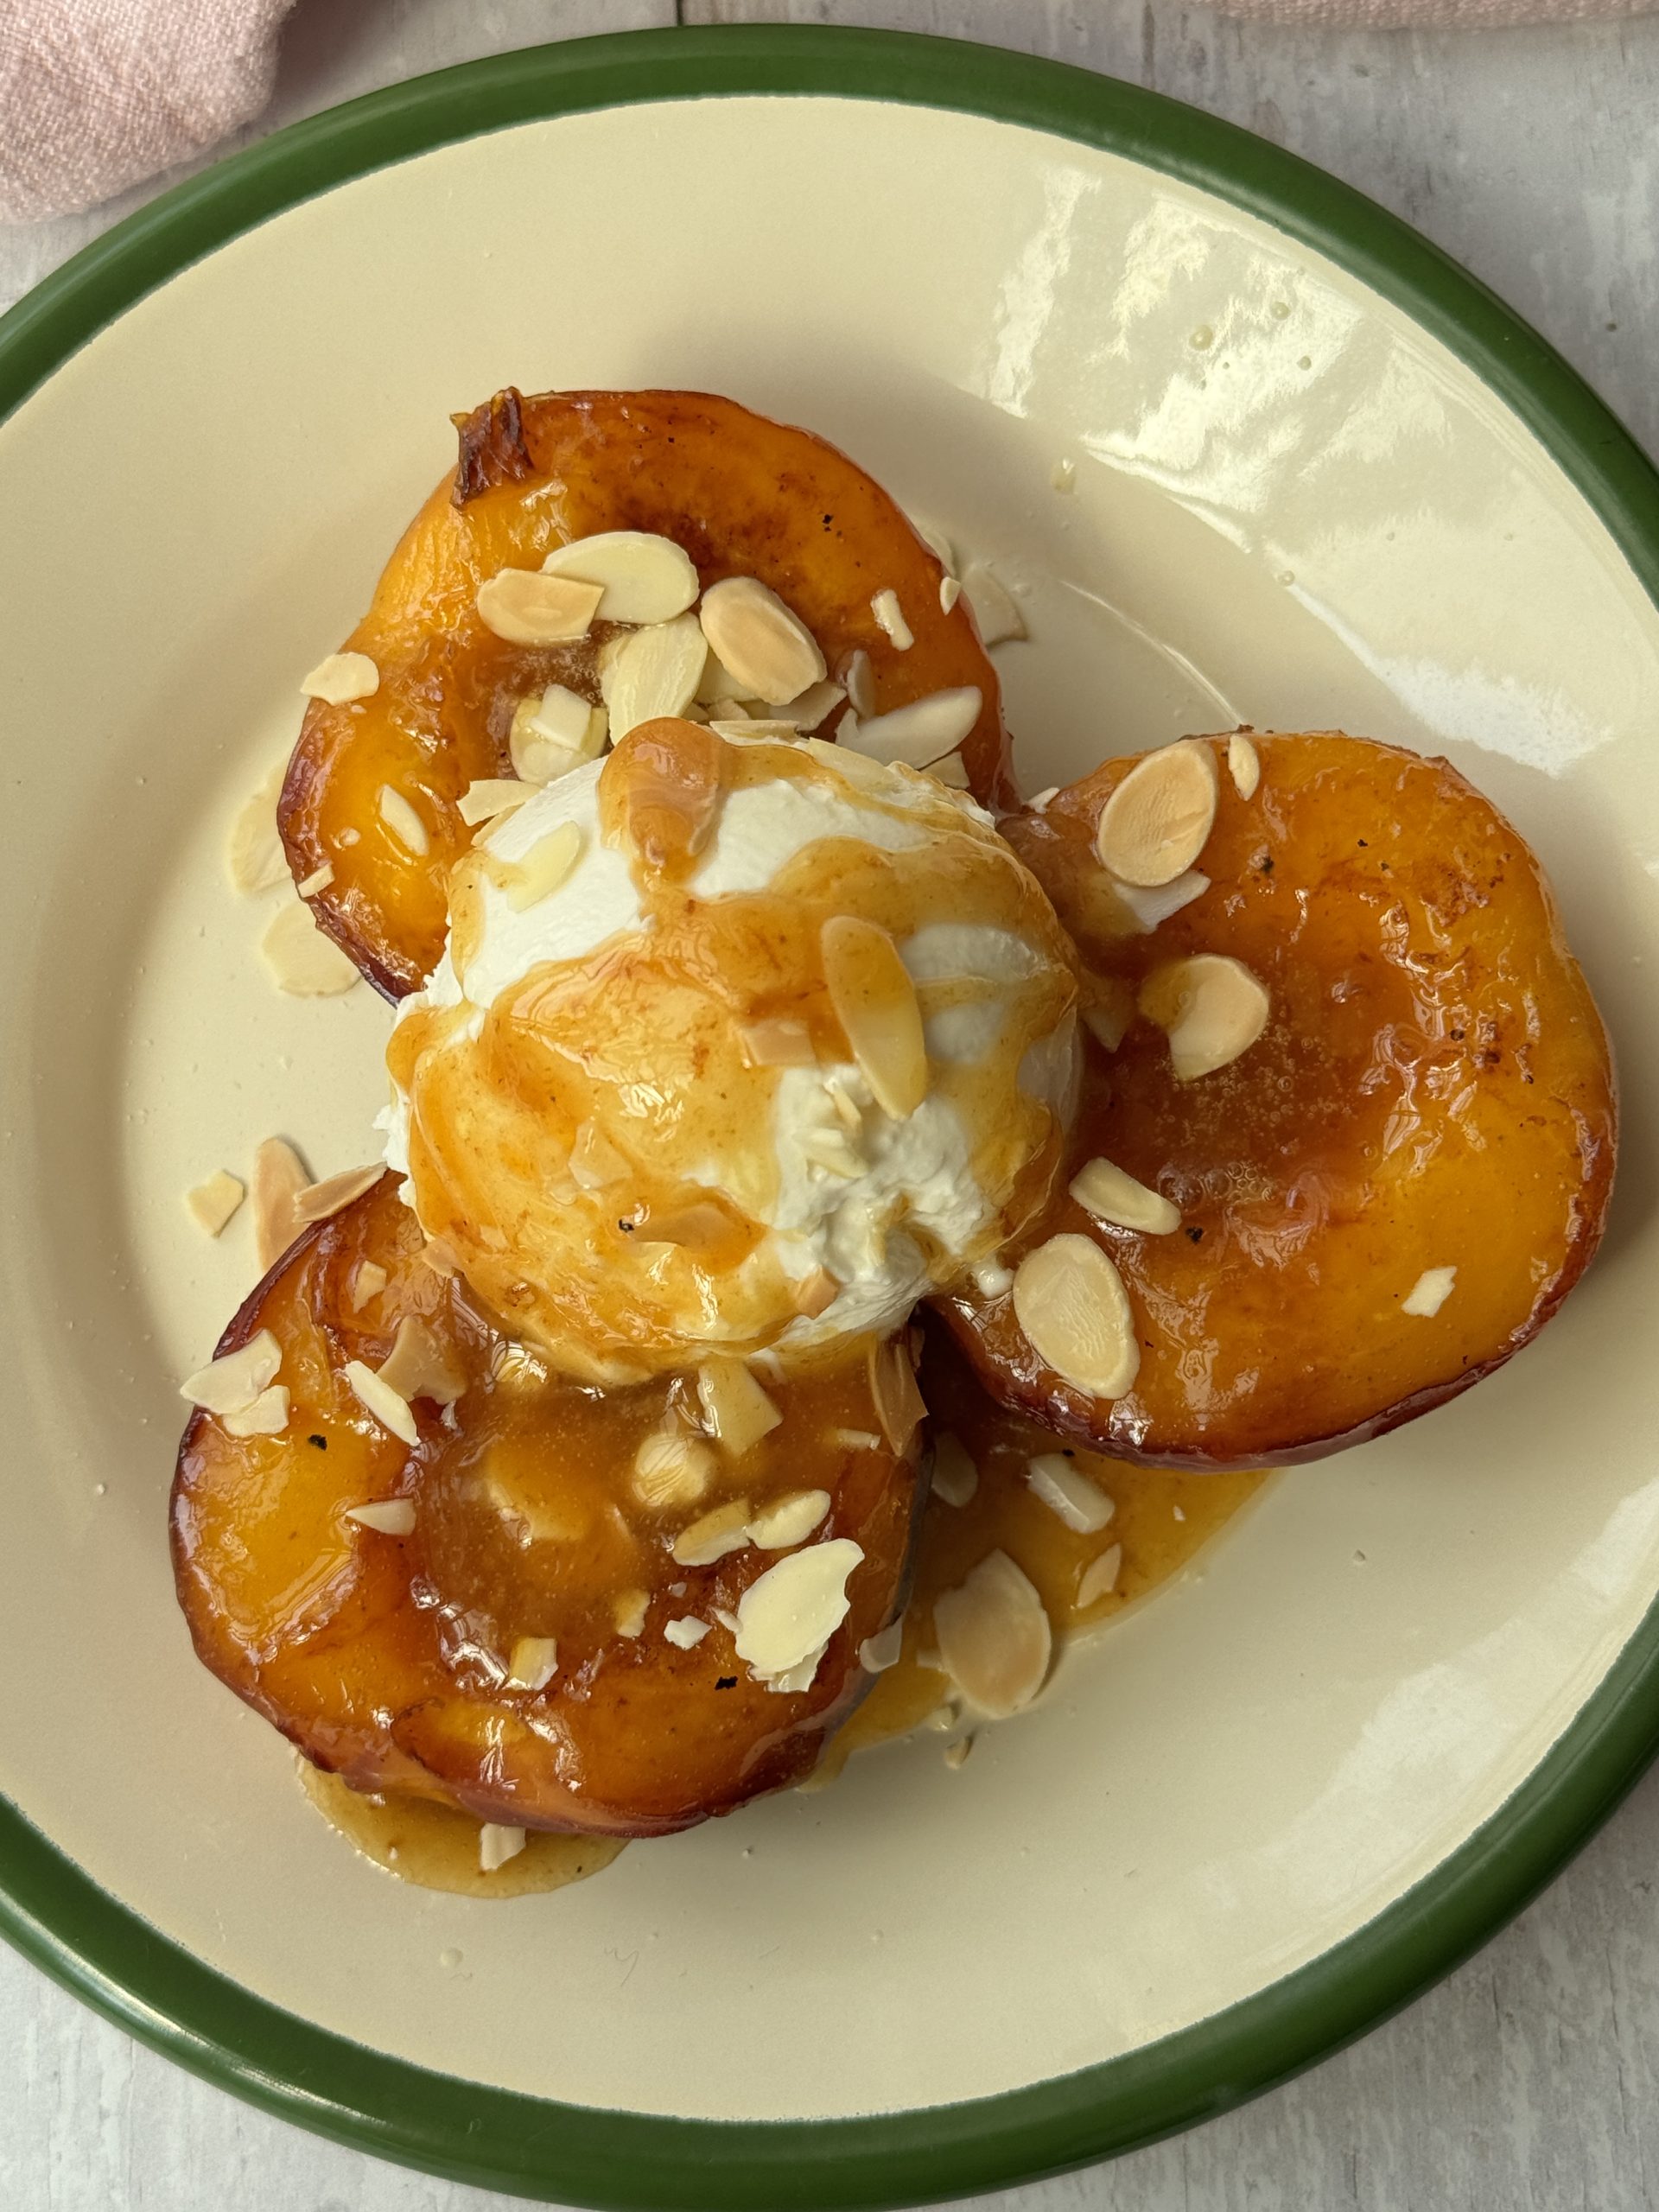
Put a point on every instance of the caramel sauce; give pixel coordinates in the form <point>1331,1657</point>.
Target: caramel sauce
<point>436,1849</point>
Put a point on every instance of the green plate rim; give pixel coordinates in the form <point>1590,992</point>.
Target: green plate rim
<point>125,1968</point>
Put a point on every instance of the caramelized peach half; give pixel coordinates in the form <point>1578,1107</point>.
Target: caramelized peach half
<point>743,497</point>
<point>545,1630</point>
<point>1397,1175</point>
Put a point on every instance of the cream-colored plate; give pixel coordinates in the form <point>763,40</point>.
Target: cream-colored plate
<point>1286,504</point>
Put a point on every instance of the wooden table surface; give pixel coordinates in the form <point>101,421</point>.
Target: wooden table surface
<point>1530,2082</point>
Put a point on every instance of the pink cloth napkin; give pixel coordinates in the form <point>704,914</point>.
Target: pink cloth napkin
<point>96,95</point>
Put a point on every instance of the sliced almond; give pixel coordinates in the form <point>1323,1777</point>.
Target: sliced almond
<point>830,1150</point>
<point>1210,1007</point>
<point>951,771</point>
<point>917,735</point>
<point>491,797</point>
<point>957,1755</point>
<point>528,608</point>
<point>718,688</point>
<point>1117,909</point>
<point>319,880</point>
<point>1069,1300</point>
<point>1243,765</point>
<point>379,1398</point>
<point>671,1469</point>
<point>815,1293</point>
<point>497,1843</point>
<point>890,618</point>
<point>858,678</point>
<point>320,1201</point>
<point>737,1410</point>
<point>1110,1193</point>
<point>726,1530</point>
<point>405,824</point>
<point>777,1042</point>
<point>418,1366</point>
<point>554,733</point>
<point>883,1649</point>
<point>787,1615</point>
<point>997,616</point>
<point>387,1516</point>
<point>899,1405</point>
<point>853,1440</point>
<point>653,675</point>
<point>1067,1492</point>
<point>936,542</point>
<point>266,1416</point>
<point>534,1662</point>
<point>302,961</point>
<point>1107,1009</point>
<point>1100,1576</point>
<point>1430,1292</point>
<point>788,1521</point>
<point>950,593</point>
<point>254,850</point>
<point>368,1282</point>
<point>596,1162</point>
<point>765,644</point>
<point>340,678</point>
<point>875,1001</point>
<point>806,712</point>
<point>628,1610</point>
<point>524,883</point>
<point>685,1633</point>
<point>1156,822</point>
<point>645,578</point>
<point>955,1476</point>
<point>279,1176</point>
<point>213,1202</point>
<point>995,1637</point>
<point>230,1384</point>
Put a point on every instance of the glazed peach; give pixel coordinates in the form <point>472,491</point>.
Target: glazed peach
<point>743,497</point>
<point>1402,1163</point>
<point>555,1609</point>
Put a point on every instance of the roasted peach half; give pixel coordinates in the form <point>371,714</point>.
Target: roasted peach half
<point>539,1611</point>
<point>1364,1208</point>
<point>743,497</point>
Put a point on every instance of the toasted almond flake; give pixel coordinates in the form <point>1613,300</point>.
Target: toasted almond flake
<point>992,1280</point>
<point>230,1384</point>
<point>997,616</point>
<point>654,674</point>
<point>279,1175</point>
<point>754,731</point>
<point>898,1403</point>
<point>955,1476</point>
<point>956,1754</point>
<point>951,771</point>
<point>1157,821</point>
<point>994,1639</point>
<point>1243,765</point>
<point>858,678</point>
<point>917,735</point>
<point>718,687</point>
<point>524,883</point>
<point>890,617</point>
<point>1110,1193</point>
<point>853,1439</point>
<point>687,1632</point>
<point>874,1000</point>
<point>1070,1302</point>
<point>765,644</point>
<point>936,540</point>
<point>302,961</point>
<point>787,1615</point>
<point>777,1042</point>
<point>671,1469</point>
<point>806,712</point>
<point>491,797</point>
<point>1037,802</point>
<point>1124,909</point>
<point>829,1149</point>
<point>1210,1007</point>
<point>1100,1576</point>
<point>596,1162</point>
<point>815,1293</point>
<point>369,1281</point>
<point>266,1416</point>
<point>1107,1009</point>
<point>254,849</point>
<point>418,1366</point>
<point>319,880</point>
<point>1067,1492</point>
<point>497,1843</point>
<point>645,577</point>
<point>534,1662</point>
<point>712,1536</point>
<point>950,593</point>
<point>555,733</point>
<point>213,1202</point>
<point>387,1516</point>
<point>788,1521</point>
<point>1430,1292</point>
<point>340,678</point>
<point>379,1398</point>
<point>320,1201</point>
<point>735,1409</point>
<point>405,824</point>
<point>883,1649</point>
<point>528,608</point>
<point>628,1610</point>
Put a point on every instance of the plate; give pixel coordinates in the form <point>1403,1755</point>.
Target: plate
<point>1254,451</point>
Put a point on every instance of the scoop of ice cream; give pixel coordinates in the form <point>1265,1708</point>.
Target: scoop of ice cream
<point>735,1044</point>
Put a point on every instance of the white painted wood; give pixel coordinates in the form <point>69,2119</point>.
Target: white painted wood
<point>1529,2082</point>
